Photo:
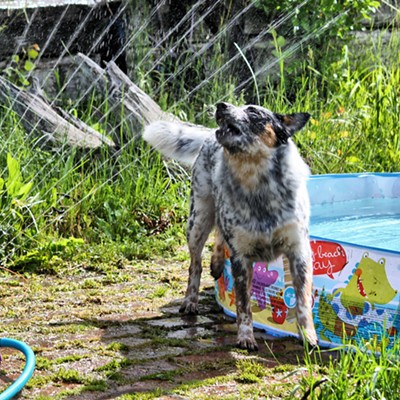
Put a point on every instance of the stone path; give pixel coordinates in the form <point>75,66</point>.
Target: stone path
<point>118,334</point>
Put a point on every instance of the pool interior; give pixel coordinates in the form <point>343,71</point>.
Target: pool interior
<point>370,222</point>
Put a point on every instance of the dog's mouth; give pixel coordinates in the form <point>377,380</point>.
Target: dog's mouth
<point>231,138</point>
<point>227,131</point>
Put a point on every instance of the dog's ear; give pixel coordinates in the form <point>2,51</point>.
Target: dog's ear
<point>293,122</point>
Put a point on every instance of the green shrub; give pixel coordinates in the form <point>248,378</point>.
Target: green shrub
<point>346,14</point>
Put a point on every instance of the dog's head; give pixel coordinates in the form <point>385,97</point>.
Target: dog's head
<point>244,129</point>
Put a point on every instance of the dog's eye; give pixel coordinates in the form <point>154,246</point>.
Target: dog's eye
<point>252,111</point>
<point>257,114</point>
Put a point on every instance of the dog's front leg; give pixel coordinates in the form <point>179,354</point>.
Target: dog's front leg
<point>242,272</point>
<point>200,224</point>
<point>301,269</point>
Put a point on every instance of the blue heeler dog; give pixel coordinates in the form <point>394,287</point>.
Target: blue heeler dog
<point>250,182</point>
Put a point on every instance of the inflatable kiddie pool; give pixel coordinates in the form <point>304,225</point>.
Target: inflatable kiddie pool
<point>355,240</point>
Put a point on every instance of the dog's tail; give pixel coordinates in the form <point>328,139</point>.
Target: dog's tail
<point>177,140</point>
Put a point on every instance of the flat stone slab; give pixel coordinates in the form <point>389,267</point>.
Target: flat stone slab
<point>174,322</point>
<point>190,333</point>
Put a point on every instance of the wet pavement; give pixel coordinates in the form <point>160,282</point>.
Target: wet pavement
<point>120,335</point>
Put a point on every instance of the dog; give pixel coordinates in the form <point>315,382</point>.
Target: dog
<point>248,180</point>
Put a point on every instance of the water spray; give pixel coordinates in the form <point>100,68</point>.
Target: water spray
<point>131,39</point>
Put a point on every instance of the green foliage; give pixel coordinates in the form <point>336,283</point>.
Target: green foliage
<point>68,376</point>
<point>14,186</point>
<point>320,29</point>
<point>179,80</point>
<point>117,346</point>
<point>354,128</point>
<point>21,66</point>
<point>310,17</point>
<point>17,205</point>
<point>70,199</point>
<point>279,43</point>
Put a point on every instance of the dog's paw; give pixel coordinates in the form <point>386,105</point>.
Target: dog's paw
<point>245,335</point>
<point>249,344</point>
<point>189,307</point>
<point>308,337</point>
<point>245,339</point>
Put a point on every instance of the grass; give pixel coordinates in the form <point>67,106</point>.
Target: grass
<point>134,205</point>
<point>353,374</point>
<point>69,205</point>
<point>250,371</point>
<point>58,206</point>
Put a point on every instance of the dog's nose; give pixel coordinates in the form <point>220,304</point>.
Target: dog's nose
<point>222,109</point>
<point>222,106</point>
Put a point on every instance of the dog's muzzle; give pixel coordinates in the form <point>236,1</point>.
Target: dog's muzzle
<point>223,116</point>
<point>226,131</point>
<point>221,113</point>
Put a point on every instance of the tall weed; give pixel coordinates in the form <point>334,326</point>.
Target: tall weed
<point>352,373</point>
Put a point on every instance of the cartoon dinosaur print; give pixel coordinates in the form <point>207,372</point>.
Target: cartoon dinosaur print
<point>367,286</point>
<point>262,278</point>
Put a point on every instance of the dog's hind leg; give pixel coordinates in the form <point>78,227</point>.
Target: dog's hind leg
<point>218,256</point>
<point>301,269</point>
<point>242,271</point>
<point>200,224</point>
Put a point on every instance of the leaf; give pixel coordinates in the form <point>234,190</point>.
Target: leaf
<point>280,41</point>
<point>53,201</point>
<point>14,180</point>
<point>15,58</point>
<point>1,184</point>
<point>33,54</point>
<point>29,65</point>
<point>24,190</point>
<point>276,53</point>
<point>23,81</point>
<point>352,159</point>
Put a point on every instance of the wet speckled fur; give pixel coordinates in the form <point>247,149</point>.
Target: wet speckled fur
<point>250,182</point>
